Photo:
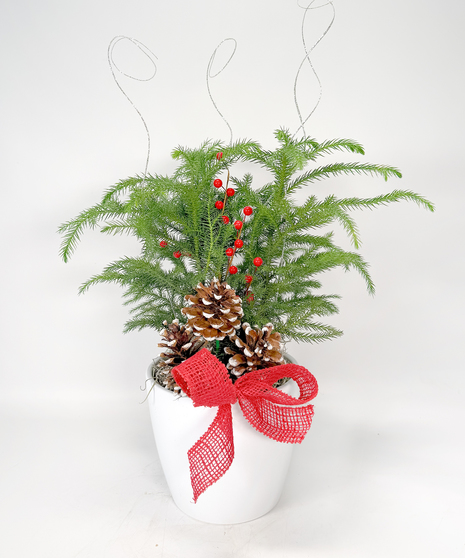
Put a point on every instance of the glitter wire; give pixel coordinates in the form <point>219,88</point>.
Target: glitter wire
<point>307,58</point>
<point>210,76</point>
<point>113,66</point>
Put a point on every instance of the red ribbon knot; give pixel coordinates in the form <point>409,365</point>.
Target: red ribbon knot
<point>270,411</point>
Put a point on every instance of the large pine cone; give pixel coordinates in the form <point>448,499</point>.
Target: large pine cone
<point>215,311</point>
<point>255,348</point>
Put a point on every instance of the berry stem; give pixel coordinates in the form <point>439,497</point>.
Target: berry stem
<point>230,261</point>
<point>225,194</point>
<point>248,285</point>
<point>238,235</point>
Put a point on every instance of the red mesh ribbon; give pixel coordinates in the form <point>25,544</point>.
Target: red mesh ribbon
<point>270,411</point>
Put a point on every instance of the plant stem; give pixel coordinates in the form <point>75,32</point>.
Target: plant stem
<point>211,238</point>
<point>225,194</point>
<point>248,286</point>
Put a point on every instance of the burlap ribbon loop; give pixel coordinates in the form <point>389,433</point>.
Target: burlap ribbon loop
<point>270,411</point>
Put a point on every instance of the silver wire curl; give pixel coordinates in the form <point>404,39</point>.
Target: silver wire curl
<point>210,76</point>
<point>307,57</point>
<point>151,56</point>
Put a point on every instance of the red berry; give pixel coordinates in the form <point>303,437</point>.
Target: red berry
<point>177,254</point>
<point>230,192</point>
<point>229,251</point>
<point>217,183</point>
<point>233,270</point>
<point>247,210</point>
<point>250,297</point>
<point>219,205</point>
<point>225,219</point>
<point>163,244</point>
<point>257,262</point>
<point>238,225</point>
<point>248,278</point>
<point>219,155</point>
<point>238,243</point>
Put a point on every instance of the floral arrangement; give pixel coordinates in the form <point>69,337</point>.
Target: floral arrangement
<point>220,253</point>
<point>230,270</point>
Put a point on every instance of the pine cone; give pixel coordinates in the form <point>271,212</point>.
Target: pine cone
<point>179,342</point>
<point>170,383</point>
<point>215,311</point>
<point>255,348</point>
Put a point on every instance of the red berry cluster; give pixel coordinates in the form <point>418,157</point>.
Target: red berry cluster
<point>238,243</point>
<point>228,192</point>
<point>176,254</point>
<point>249,278</point>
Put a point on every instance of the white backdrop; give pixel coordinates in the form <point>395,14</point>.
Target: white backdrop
<point>387,433</point>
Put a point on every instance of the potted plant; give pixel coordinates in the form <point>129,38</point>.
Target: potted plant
<point>230,270</point>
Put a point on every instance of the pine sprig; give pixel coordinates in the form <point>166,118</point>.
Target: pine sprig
<point>335,169</point>
<point>336,145</point>
<point>72,230</point>
<point>385,199</point>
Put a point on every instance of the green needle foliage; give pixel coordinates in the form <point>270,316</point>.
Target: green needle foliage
<point>180,211</point>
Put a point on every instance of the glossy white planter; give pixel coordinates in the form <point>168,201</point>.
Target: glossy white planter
<point>253,484</point>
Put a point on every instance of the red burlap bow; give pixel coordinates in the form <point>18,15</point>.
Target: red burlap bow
<point>270,411</point>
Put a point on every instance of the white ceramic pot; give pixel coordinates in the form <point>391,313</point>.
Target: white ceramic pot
<point>253,484</point>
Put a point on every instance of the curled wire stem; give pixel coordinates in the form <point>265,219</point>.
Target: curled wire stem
<point>145,385</point>
<point>210,76</point>
<point>307,58</point>
<point>148,393</point>
<point>113,66</point>
<point>152,379</point>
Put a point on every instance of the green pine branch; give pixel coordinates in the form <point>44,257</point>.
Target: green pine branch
<point>172,215</point>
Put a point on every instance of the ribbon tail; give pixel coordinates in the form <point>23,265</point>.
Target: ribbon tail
<point>211,456</point>
<point>282,423</point>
